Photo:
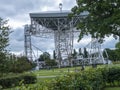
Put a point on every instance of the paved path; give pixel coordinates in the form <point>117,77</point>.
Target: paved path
<point>46,76</point>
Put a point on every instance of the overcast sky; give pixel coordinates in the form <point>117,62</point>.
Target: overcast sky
<point>17,11</point>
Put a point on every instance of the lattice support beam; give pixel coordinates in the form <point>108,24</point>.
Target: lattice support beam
<point>95,54</point>
<point>27,38</point>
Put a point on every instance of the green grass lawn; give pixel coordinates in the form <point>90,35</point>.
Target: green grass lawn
<point>47,74</point>
<point>56,72</point>
<point>112,88</point>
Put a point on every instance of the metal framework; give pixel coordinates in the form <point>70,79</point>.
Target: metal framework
<point>95,55</point>
<point>56,25</point>
<point>27,36</point>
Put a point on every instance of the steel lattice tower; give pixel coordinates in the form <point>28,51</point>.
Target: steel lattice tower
<point>59,26</point>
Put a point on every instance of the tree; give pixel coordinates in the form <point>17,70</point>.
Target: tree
<point>4,39</point>
<point>4,34</point>
<point>118,50</point>
<point>48,61</point>
<point>51,63</point>
<point>20,64</point>
<point>45,56</point>
<point>117,46</point>
<point>74,54</point>
<point>111,54</point>
<point>80,51</point>
<point>54,55</point>
<point>85,55</point>
<point>102,18</point>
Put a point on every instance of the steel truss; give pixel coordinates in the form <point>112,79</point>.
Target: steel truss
<point>28,48</point>
<point>58,26</point>
<point>95,55</point>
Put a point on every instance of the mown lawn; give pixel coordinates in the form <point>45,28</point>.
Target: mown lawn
<point>112,88</point>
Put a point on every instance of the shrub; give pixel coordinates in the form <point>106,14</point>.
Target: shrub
<point>11,81</point>
<point>29,79</point>
<point>20,65</point>
<point>92,79</point>
<point>85,80</point>
<point>112,76</point>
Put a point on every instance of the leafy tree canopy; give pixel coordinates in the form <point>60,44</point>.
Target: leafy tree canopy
<point>117,45</point>
<point>45,56</point>
<point>4,39</point>
<point>102,18</point>
<point>4,34</point>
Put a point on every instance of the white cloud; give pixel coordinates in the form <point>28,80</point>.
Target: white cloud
<point>109,42</point>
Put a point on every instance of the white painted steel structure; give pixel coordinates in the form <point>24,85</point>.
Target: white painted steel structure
<point>53,24</point>
<point>95,54</point>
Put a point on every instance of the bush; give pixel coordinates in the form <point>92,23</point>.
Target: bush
<point>11,81</point>
<point>92,79</point>
<point>112,75</point>
<point>29,79</point>
<point>20,65</point>
<point>85,80</point>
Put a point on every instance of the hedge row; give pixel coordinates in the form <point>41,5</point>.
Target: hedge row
<point>12,81</point>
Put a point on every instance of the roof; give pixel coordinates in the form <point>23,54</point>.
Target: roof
<point>50,14</point>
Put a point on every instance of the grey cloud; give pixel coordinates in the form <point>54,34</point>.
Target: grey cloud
<point>43,44</point>
<point>14,7</point>
<point>16,46</point>
<point>17,34</point>
<point>16,40</point>
<point>68,4</point>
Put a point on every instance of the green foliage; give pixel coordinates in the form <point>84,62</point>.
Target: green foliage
<point>51,62</point>
<point>85,53</point>
<point>111,54</point>
<point>80,51</point>
<point>117,45</point>
<point>48,61</point>
<point>4,33</point>
<point>19,64</point>
<point>112,76</point>
<point>4,39</point>
<point>12,81</point>
<point>102,18</point>
<point>54,55</point>
<point>86,80</point>
<point>117,51</point>
<point>45,56</point>
<point>91,79</point>
<point>112,88</point>
<point>3,63</point>
<point>74,55</point>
